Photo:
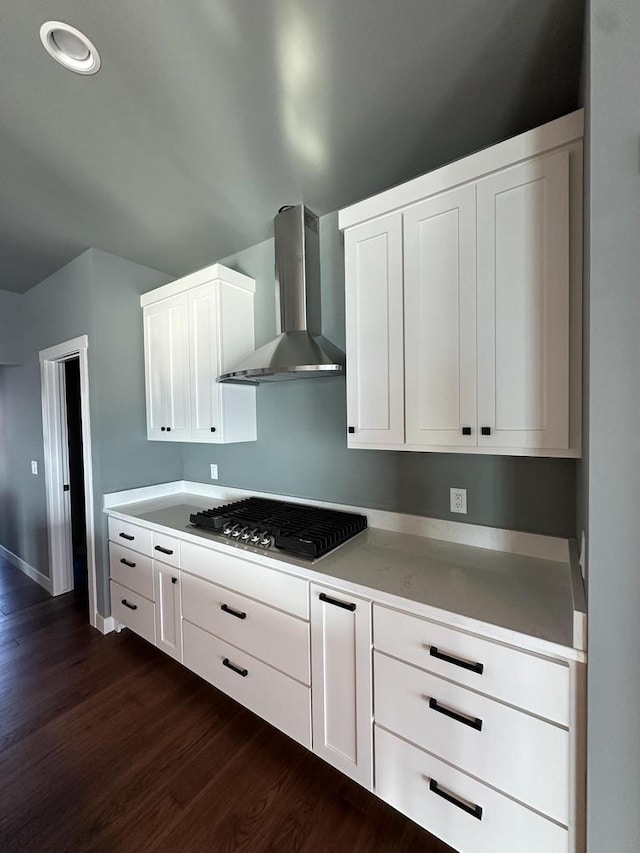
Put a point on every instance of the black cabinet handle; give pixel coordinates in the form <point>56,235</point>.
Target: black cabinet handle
<point>231,612</point>
<point>243,672</point>
<point>129,605</point>
<point>127,563</point>
<point>162,429</point>
<point>163,550</point>
<point>466,430</point>
<point>473,722</point>
<point>174,580</point>
<point>474,811</point>
<point>351,430</point>
<point>465,664</point>
<point>168,429</point>
<point>485,430</point>
<point>213,429</point>
<point>126,536</point>
<point>346,605</point>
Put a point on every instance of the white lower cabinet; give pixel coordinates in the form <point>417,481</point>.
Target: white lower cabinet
<point>133,610</point>
<point>460,810</point>
<point>168,605</point>
<point>277,698</point>
<point>479,742</point>
<point>341,679</point>
<point>517,753</point>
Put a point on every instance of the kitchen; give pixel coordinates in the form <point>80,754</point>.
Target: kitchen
<point>104,294</point>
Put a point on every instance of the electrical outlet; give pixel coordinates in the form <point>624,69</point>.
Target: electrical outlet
<point>458,500</point>
<point>214,472</point>
<point>34,466</point>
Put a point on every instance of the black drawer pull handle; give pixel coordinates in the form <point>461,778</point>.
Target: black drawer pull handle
<point>174,580</point>
<point>163,550</point>
<point>243,672</point>
<point>473,722</point>
<point>127,563</point>
<point>465,664</point>
<point>126,536</point>
<point>466,430</point>
<point>129,605</point>
<point>351,430</point>
<point>474,811</point>
<point>485,430</point>
<point>344,604</point>
<point>231,612</point>
<point>213,429</point>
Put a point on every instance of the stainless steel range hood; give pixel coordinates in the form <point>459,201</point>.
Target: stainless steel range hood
<point>300,351</point>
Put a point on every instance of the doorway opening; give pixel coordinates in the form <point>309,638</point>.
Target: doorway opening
<point>76,480</point>
<point>68,472</point>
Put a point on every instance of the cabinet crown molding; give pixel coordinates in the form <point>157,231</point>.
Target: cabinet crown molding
<point>195,279</point>
<point>540,140</point>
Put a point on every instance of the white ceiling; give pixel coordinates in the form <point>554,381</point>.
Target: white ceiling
<point>208,115</point>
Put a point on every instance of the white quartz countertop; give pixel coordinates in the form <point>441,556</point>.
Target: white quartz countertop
<point>512,598</point>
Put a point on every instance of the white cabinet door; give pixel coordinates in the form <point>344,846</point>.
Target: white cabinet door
<point>203,347</point>
<point>374,320</point>
<point>523,305</point>
<point>168,605</point>
<point>440,320</point>
<point>167,369</point>
<point>177,368</point>
<point>341,681</point>
<point>155,370</point>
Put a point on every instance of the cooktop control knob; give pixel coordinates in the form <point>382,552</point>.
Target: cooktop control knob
<point>227,528</point>
<point>267,541</point>
<point>236,530</point>
<point>255,536</point>
<point>245,534</point>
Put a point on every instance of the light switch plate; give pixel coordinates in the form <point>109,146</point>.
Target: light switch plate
<point>34,466</point>
<point>214,471</point>
<point>458,500</point>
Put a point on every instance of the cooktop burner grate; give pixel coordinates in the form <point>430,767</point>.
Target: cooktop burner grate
<point>299,529</point>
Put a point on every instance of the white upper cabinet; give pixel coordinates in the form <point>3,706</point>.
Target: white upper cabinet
<point>464,303</point>
<point>523,305</point>
<point>375,391</point>
<point>195,329</point>
<point>440,319</point>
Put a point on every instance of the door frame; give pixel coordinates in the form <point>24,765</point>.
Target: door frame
<point>54,429</point>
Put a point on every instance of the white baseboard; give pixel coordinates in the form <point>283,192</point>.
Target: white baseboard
<point>26,569</point>
<point>105,624</point>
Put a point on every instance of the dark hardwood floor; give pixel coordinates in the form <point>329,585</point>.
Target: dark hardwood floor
<point>106,744</point>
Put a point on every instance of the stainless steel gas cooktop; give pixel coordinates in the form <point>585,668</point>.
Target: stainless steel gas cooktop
<point>297,529</point>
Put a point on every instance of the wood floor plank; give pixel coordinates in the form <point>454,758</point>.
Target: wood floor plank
<point>106,744</point>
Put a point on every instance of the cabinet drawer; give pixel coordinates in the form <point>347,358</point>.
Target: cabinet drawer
<point>525,757</point>
<point>134,537</point>
<point>166,549</point>
<point>405,776</point>
<point>524,680</point>
<point>265,584</point>
<point>270,635</point>
<point>138,613</point>
<point>280,700</point>
<point>131,569</point>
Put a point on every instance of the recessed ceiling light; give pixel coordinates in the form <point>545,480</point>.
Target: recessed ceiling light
<point>70,47</point>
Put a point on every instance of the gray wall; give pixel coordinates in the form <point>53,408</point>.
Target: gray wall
<point>10,328</point>
<point>614,418</point>
<point>301,448</point>
<point>98,295</point>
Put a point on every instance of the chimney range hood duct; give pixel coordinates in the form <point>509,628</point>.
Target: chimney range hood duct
<point>300,351</point>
